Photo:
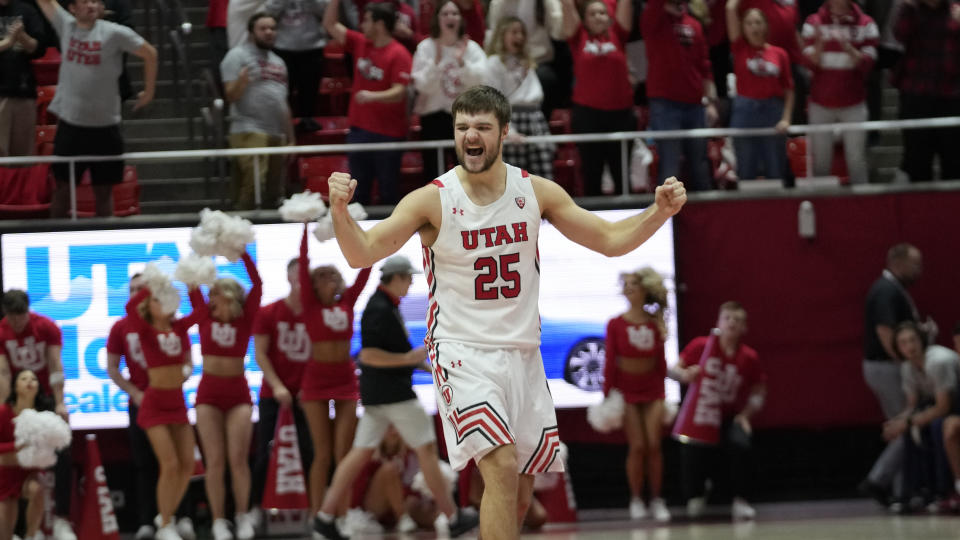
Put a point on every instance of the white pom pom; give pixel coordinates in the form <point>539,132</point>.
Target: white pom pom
<point>234,237</point>
<point>160,285</point>
<point>607,415</point>
<point>356,211</point>
<point>323,231</point>
<point>153,277</point>
<point>306,206</point>
<point>203,242</point>
<point>196,270</point>
<point>169,298</point>
<point>40,435</point>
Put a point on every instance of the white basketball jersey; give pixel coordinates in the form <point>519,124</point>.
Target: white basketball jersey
<point>483,271</point>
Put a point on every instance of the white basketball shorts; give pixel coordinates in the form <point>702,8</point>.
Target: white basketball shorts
<point>492,397</point>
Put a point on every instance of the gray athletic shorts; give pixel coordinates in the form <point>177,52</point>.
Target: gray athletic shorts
<point>408,417</point>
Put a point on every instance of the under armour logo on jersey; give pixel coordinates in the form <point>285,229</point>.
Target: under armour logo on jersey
<point>29,356</point>
<point>134,351</point>
<point>456,210</point>
<point>224,334</point>
<point>640,337</point>
<point>521,202</point>
<point>335,319</point>
<point>295,342</point>
<point>170,344</point>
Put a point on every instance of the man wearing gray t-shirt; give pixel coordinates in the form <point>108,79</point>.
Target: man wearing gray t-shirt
<point>87,100</point>
<point>255,85</point>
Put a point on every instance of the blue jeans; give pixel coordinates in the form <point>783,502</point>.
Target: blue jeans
<point>759,155</point>
<point>667,114</point>
<point>382,166</point>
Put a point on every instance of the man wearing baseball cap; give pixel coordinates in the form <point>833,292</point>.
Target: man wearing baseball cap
<point>387,361</point>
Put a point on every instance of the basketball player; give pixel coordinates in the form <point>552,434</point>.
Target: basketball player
<point>478,224</point>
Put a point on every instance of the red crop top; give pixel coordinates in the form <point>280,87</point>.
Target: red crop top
<point>228,338</point>
<point>625,339</point>
<point>160,348</point>
<point>327,323</point>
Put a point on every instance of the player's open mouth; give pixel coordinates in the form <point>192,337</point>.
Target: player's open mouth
<point>475,151</point>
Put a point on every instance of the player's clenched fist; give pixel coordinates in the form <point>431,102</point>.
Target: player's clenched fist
<point>671,196</point>
<point>341,189</point>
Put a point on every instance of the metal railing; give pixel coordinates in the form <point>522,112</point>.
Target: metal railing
<point>622,137</point>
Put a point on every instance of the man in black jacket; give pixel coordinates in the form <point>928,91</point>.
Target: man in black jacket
<point>21,40</point>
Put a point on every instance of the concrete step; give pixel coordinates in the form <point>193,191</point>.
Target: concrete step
<point>150,144</point>
<point>884,156</point>
<point>137,128</point>
<point>179,207</point>
<point>166,170</point>
<point>178,188</point>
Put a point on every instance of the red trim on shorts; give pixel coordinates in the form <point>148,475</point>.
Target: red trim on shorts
<point>482,409</point>
<point>547,449</point>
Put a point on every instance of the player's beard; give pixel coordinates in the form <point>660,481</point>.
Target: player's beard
<point>489,159</point>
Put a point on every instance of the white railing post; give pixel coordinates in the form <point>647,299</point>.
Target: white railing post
<point>624,167</point>
<point>73,190</point>
<point>256,181</point>
<point>440,163</point>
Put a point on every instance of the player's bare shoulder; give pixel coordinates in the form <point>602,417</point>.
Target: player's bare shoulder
<point>549,194</point>
<point>423,205</point>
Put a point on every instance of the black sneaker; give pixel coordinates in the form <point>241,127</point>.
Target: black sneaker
<point>465,522</point>
<point>876,491</point>
<point>327,530</point>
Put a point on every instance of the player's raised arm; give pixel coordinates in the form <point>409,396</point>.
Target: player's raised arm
<point>609,238</point>
<point>417,211</point>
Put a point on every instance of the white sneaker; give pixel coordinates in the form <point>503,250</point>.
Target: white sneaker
<point>167,532</point>
<point>637,509</point>
<point>62,530</point>
<point>741,509</point>
<point>442,526</point>
<point>244,524</point>
<point>406,524</point>
<point>658,508</point>
<point>221,530</point>
<point>145,532</point>
<point>185,529</point>
<point>696,506</point>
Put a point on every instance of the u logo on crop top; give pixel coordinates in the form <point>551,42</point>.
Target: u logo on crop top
<point>335,318</point>
<point>640,337</point>
<point>224,334</point>
<point>136,352</point>
<point>170,344</point>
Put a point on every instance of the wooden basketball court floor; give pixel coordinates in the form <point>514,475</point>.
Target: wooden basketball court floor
<point>816,520</point>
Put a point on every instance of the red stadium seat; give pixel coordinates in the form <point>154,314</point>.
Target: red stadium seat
<point>126,195</point>
<point>797,157</point>
<point>45,136</point>
<point>46,69</point>
<point>44,97</point>
<point>25,192</point>
<point>411,172</point>
<point>566,169</point>
<point>414,133</point>
<point>315,170</point>
<point>335,96</point>
<point>334,60</point>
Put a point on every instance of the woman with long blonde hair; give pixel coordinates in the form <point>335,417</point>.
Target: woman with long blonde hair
<point>223,397</point>
<point>636,366</point>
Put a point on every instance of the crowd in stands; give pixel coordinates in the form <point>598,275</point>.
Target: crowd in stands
<point>569,66</point>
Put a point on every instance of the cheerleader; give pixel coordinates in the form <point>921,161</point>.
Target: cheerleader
<point>511,69</point>
<point>163,412</point>
<point>223,397</point>
<point>331,374</point>
<point>17,482</point>
<point>636,366</point>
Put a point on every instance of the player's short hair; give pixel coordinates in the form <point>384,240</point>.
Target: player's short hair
<point>252,21</point>
<point>15,302</point>
<point>383,11</point>
<point>733,305</point>
<point>899,252</point>
<point>292,262</point>
<point>482,99</point>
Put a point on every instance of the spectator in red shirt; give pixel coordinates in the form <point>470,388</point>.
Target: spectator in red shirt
<point>602,95</point>
<point>680,87</point>
<point>378,106</point>
<point>840,48</point>
<point>928,77</point>
<point>764,94</point>
<point>407,28</point>
<point>740,386</point>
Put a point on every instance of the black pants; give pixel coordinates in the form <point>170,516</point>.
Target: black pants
<point>556,78</point>
<point>437,126</point>
<point>63,476</point>
<point>266,429</point>
<point>886,59</point>
<point>146,469</point>
<point>593,156</point>
<point>699,462</point>
<point>305,69</point>
<point>921,145</point>
<point>722,65</point>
